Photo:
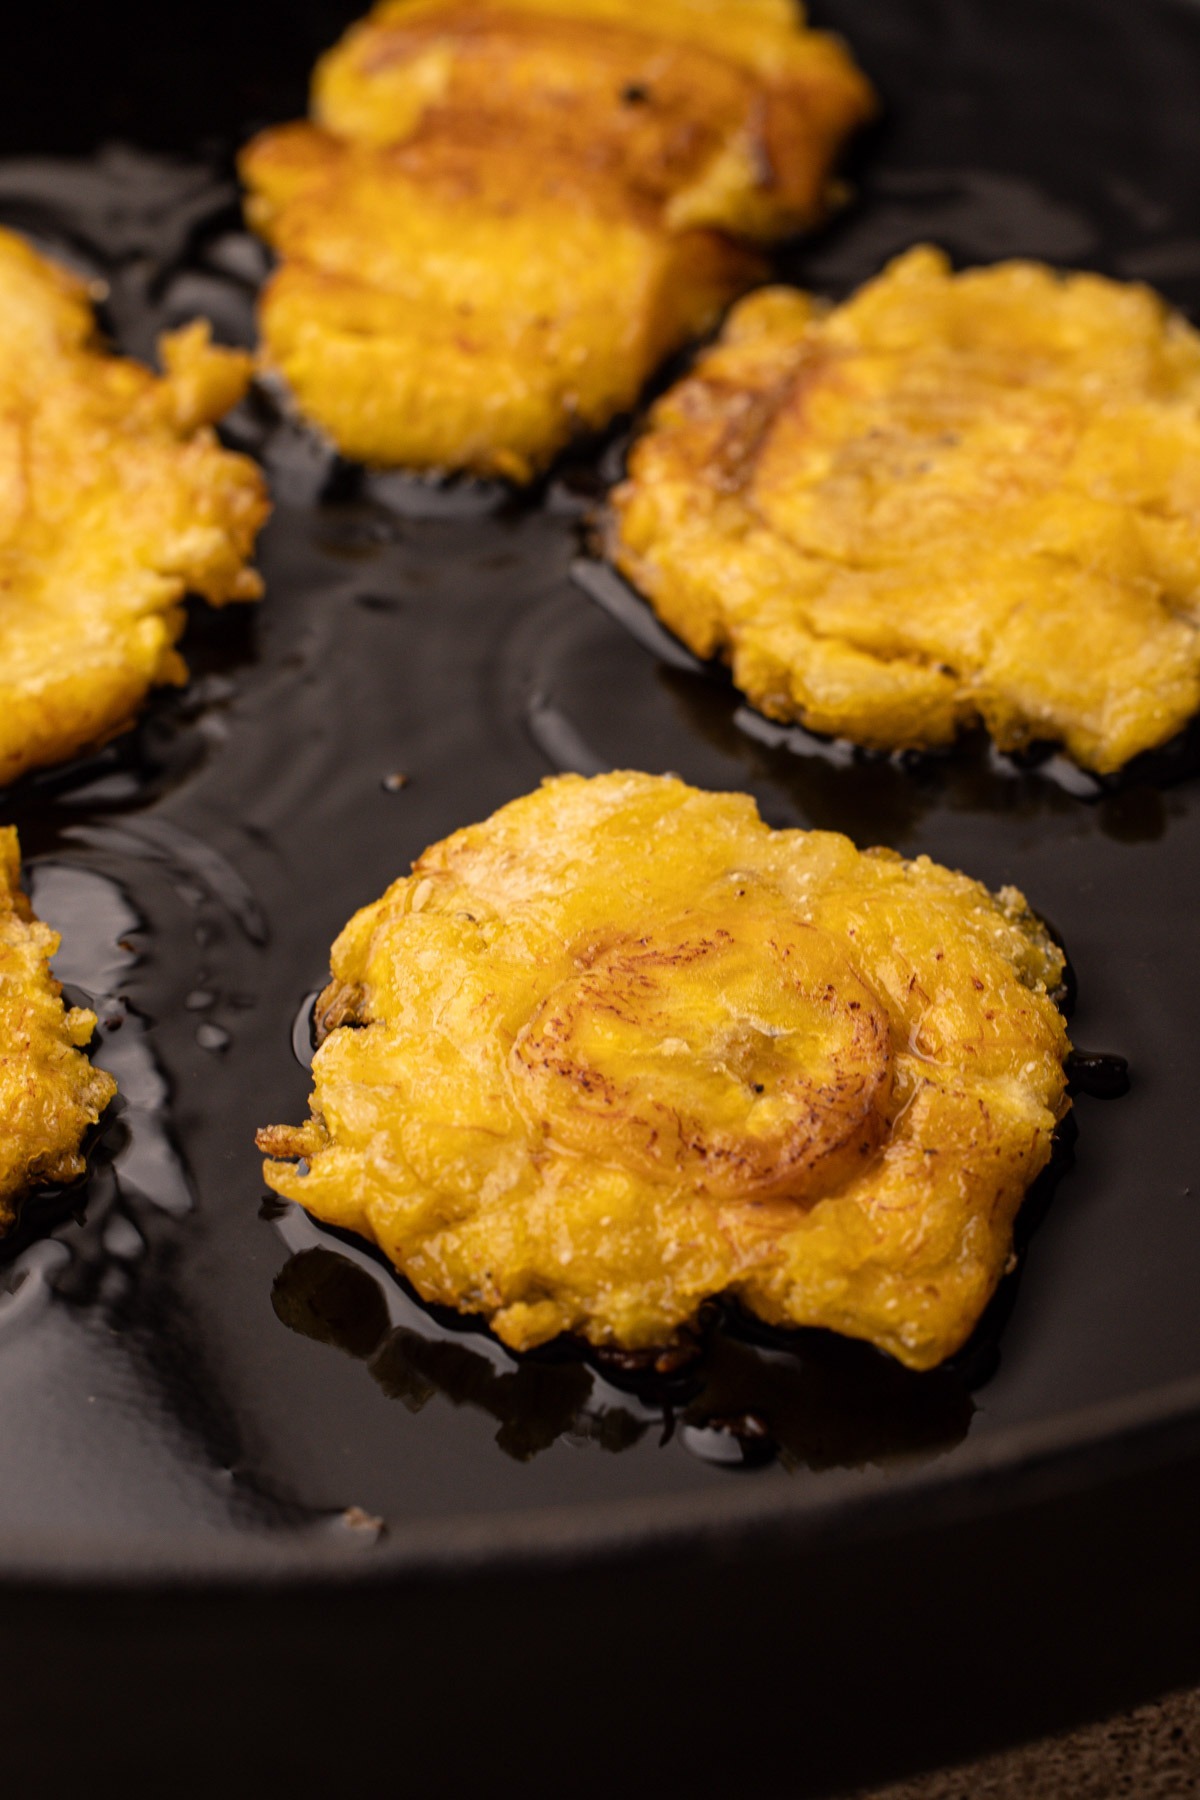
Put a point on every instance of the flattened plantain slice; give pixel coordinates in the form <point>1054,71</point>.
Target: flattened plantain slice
<point>49,1092</point>
<point>504,216</point>
<point>115,501</point>
<point>953,498</point>
<point>621,1048</point>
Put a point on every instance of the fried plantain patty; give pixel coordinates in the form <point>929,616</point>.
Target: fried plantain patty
<point>49,1092</point>
<point>115,500</point>
<point>507,212</point>
<point>622,1047</point>
<point>953,498</point>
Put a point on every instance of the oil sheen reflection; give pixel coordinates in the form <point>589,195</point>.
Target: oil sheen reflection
<point>835,785</point>
<point>819,1403</point>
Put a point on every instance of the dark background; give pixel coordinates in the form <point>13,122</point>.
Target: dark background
<point>166,78</point>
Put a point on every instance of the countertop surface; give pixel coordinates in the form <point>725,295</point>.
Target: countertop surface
<point>1151,1753</point>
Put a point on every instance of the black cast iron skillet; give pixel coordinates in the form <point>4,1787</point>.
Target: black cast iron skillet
<point>268,1525</point>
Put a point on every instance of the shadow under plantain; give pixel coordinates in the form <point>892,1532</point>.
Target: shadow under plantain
<point>870,794</point>
<point>808,1400</point>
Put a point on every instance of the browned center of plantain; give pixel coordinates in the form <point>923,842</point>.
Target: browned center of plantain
<point>736,1047</point>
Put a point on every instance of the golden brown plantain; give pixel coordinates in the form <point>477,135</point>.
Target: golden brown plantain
<point>115,500</point>
<point>621,1048</point>
<point>953,498</point>
<point>504,216</point>
<point>49,1092</point>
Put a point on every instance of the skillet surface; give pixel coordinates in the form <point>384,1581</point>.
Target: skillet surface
<point>194,1383</point>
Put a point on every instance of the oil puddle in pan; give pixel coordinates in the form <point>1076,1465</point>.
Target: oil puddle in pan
<point>198,869</point>
<point>829,1404</point>
<point>422,656</point>
<point>749,1397</point>
<point>833,783</point>
<point>107,1432</point>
